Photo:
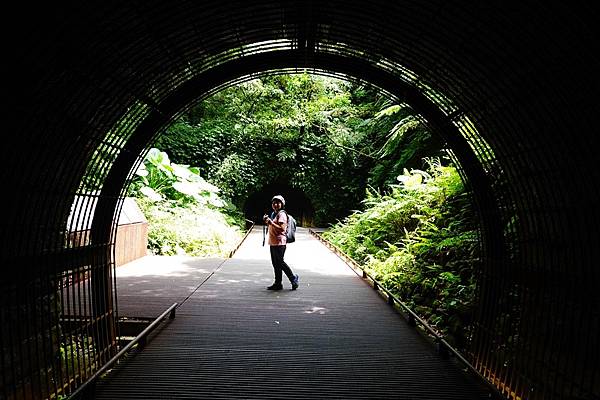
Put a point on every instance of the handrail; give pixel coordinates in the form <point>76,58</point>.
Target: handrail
<point>232,252</point>
<point>81,389</point>
<point>412,316</point>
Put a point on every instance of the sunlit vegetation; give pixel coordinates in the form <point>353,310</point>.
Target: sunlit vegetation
<point>322,136</point>
<point>375,174</point>
<point>421,241</point>
<point>186,215</point>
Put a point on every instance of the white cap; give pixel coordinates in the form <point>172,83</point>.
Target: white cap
<point>280,198</point>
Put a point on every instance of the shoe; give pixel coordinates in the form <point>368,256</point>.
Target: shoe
<point>295,282</point>
<point>275,286</point>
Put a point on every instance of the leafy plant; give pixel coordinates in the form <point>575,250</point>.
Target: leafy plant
<point>247,137</point>
<point>159,179</point>
<point>186,214</point>
<point>192,230</point>
<point>421,241</point>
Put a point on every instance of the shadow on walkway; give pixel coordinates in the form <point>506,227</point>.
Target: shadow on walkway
<point>334,337</point>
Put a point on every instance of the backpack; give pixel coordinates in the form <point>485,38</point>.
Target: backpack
<point>290,233</point>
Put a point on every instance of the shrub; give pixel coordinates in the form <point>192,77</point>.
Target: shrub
<point>421,241</point>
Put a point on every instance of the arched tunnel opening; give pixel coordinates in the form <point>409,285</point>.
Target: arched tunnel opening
<point>507,86</point>
<point>297,203</point>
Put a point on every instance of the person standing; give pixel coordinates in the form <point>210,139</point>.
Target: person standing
<point>277,225</point>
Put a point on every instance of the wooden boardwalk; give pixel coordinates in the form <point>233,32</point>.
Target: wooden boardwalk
<point>333,338</point>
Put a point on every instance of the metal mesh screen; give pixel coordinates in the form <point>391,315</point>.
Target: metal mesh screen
<point>506,85</point>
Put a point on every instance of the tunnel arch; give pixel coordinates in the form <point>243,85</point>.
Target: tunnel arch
<point>109,78</point>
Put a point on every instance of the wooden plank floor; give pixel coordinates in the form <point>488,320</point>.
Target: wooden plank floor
<point>333,338</point>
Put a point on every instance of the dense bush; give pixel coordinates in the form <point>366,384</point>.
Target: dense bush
<point>421,241</point>
<point>196,231</point>
<point>185,213</point>
<point>325,137</point>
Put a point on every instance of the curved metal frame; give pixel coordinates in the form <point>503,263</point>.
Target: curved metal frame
<point>507,85</point>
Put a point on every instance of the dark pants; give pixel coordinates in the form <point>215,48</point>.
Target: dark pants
<point>279,265</point>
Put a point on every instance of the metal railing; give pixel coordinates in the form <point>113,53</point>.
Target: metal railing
<point>444,348</point>
<point>249,227</point>
<point>140,339</point>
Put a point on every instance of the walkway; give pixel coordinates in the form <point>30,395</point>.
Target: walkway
<point>333,338</point>
<point>149,285</point>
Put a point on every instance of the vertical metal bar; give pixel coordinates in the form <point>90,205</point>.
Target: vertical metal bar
<point>73,328</point>
<point>44,303</point>
<point>59,316</point>
<point>82,321</point>
<point>86,325</point>
<point>100,316</point>
<point>78,317</point>
<point>9,342</point>
<point>87,205</point>
<point>54,241</point>
<point>53,322</point>
<point>54,326</point>
<point>70,341</point>
<point>80,328</point>
<point>89,323</point>
<point>65,314</point>
<point>116,308</point>
<point>99,301</point>
<point>95,319</point>
<point>24,336</point>
<point>105,311</point>
<point>108,291</point>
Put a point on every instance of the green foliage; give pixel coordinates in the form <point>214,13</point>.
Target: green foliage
<point>158,179</point>
<point>77,355</point>
<point>236,175</point>
<point>286,128</point>
<point>336,141</point>
<point>407,143</point>
<point>185,213</point>
<point>422,242</point>
<point>193,230</point>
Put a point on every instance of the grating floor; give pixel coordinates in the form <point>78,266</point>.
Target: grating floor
<point>333,338</point>
<point>149,285</point>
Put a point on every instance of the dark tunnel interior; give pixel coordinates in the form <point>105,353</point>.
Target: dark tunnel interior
<point>297,204</point>
<point>511,87</point>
